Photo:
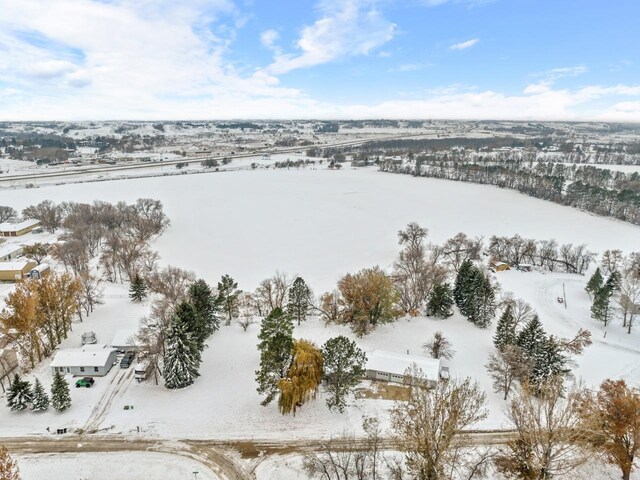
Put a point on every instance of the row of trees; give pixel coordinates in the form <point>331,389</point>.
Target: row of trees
<point>555,430</point>
<point>39,313</point>
<point>600,191</point>
<point>21,395</point>
<point>619,293</point>
<point>293,369</point>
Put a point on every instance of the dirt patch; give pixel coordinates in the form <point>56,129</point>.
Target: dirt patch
<point>384,391</point>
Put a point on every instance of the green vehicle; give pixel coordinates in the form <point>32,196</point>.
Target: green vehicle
<point>85,382</point>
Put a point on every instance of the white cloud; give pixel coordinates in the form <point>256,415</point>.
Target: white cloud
<point>469,3</point>
<point>269,38</point>
<point>350,27</point>
<point>556,73</point>
<point>464,45</point>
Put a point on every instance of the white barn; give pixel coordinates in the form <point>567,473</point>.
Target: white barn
<point>391,367</point>
<point>89,360</point>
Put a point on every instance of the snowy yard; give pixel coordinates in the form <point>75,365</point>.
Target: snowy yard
<point>319,224</point>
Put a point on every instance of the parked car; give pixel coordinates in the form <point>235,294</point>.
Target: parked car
<point>127,360</point>
<point>84,382</point>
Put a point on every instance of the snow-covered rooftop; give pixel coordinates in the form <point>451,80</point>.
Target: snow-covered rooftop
<point>14,227</point>
<point>87,356</point>
<point>397,363</point>
<point>10,266</point>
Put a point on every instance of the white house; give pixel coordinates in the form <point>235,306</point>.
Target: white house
<point>391,367</point>
<point>125,339</point>
<point>89,360</point>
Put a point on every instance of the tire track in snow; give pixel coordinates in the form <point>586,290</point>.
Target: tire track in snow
<point>118,385</point>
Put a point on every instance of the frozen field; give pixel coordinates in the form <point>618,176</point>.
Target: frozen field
<point>109,466</point>
<point>321,223</point>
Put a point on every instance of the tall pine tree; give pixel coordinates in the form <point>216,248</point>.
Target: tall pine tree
<point>299,300</point>
<point>506,329</point>
<point>595,282</point>
<point>60,395</point>
<point>601,306</point>
<point>193,323</point>
<point>276,353</point>
<point>461,284</point>
<point>532,337</point>
<point>181,357</point>
<point>344,366</point>
<point>440,301</point>
<point>206,306</point>
<point>40,398</point>
<point>228,294</point>
<point>19,395</point>
<point>138,289</point>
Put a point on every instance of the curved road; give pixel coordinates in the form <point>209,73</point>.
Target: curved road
<point>218,456</point>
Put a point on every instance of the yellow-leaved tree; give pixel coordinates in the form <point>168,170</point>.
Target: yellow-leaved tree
<point>303,378</point>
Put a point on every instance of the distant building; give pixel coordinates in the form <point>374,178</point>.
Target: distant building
<point>9,252</point>
<point>500,266</point>
<point>90,360</point>
<point>391,367</point>
<point>17,270</point>
<point>17,229</point>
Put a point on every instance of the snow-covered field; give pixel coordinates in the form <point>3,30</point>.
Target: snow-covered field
<point>319,224</point>
<point>109,466</point>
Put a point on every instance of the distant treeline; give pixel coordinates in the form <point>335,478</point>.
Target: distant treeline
<point>604,192</point>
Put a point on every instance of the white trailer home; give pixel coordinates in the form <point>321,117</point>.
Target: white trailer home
<point>88,361</point>
<point>391,367</point>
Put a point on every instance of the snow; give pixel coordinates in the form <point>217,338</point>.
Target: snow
<point>319,224</point>
<point>87,356</point>
<point>397,364</point>
<point>15,266</point>
<point>110,466</point>
<point>14,227</point>
<point>124,337</point>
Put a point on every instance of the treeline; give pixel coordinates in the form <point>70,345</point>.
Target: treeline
<point>599,191</point>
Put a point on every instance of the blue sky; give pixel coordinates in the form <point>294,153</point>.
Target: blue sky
<point>161,59</point>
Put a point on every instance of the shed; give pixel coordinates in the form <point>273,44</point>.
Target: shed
<point>89,360</point>
<point>391,367</point>
<point>500,266</point>
<point>13,271</point>
<point>17,229</point>
<point>125,339</point>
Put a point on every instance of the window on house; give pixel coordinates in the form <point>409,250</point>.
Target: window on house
<point>95,369</point>
<point>81,369</point>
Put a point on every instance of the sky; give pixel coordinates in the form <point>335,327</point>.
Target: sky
<point>326,59</point>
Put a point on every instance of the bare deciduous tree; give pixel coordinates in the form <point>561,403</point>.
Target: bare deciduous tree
<point>505,366</point>
<point>439,347</point>
<point>427,423</point>
<point>7,213</point>
<point>171,282</point>
<point>549,439</point>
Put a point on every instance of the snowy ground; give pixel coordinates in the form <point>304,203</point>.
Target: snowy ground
<point>319,224</point>
<point>109,466</point>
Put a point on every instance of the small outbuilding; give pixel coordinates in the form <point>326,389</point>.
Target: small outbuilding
<point>16,229</point>
<point>89,360</point>
<point>500,266</point>
<point>391,367</point>
<point>17,270</point>
<point>10,252</point>
<point>125,340</point>
<point>524,267</point>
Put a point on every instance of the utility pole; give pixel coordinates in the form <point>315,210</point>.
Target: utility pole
<point>564,296</point>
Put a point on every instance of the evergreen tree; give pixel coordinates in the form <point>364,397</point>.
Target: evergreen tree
<point>8,467</point>
<point>506,329</point>
<point>299,300</point>
<point>138,289</point>
<point>461,285</point>
<point>440,301</point>
<point>19,395</point>
<point>532,337</point>
<point>475,296</point>
<point>193,323</point>
<point>40,398</point>
<point>613,282</point>
<point>276,352</point>
<point>548,361</point>
<point>181,357</point>
<point>344,366</point>
<point>206,306</point>
<point>595,282</point>
<point>60,395</point>
<point>228,294</point>
<point>601,306</point>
